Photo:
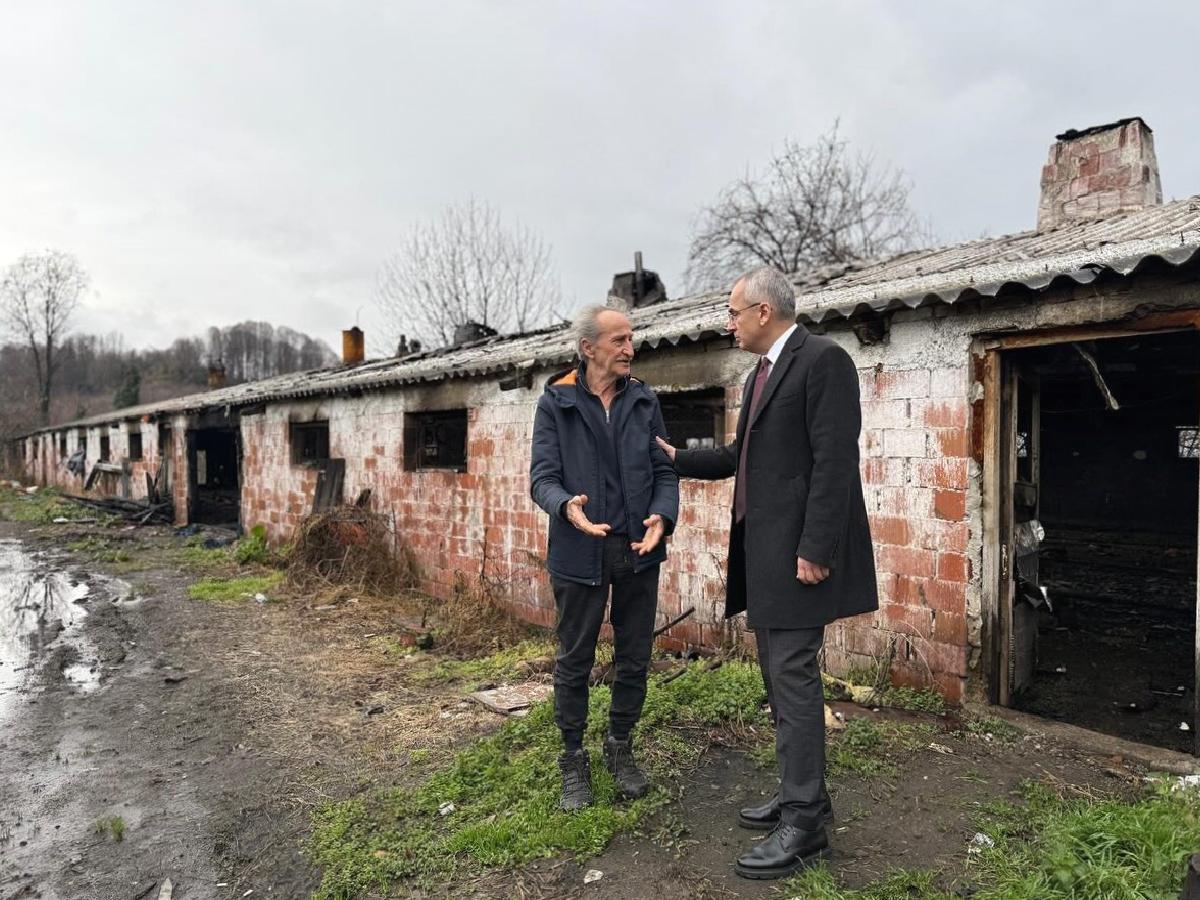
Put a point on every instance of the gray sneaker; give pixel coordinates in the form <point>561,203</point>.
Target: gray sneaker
<point>618,759</point>
<point>576,768</point>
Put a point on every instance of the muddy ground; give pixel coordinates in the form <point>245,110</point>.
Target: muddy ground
<point>213,730</point>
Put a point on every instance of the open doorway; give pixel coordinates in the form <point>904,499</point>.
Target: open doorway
<point>214,464</point>
<point>1099,452</point>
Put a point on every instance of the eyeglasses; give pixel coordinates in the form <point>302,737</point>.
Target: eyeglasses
<point>734,313</point>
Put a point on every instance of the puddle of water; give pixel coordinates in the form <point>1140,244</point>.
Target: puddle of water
<point>40,607</point>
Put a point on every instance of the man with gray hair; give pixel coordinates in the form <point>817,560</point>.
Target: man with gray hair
<point>800,554</point>
<point>612,496</point>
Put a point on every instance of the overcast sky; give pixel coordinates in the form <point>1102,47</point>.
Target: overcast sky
<point>213,162</point>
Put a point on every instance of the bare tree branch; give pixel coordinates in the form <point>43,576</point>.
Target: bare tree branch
<point>812,206</point>
<point>467,266</point>
<point>38,295</point>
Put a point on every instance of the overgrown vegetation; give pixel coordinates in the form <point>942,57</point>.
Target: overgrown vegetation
<point>230,590</point>
<point>252,548</point>
<point>112,826</point>
<point>868,748</point>
<point>41,507</point>
<point>496,804</point>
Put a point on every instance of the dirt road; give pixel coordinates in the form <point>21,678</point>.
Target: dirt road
<point>114,722</point>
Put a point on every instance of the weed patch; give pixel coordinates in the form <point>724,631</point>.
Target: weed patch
<point>42,507</point>
<point>496,804</point>
<point>868,748</point>
<point>992,728</point>
<point>113,826</point>
<point>252,548</point>
<point>229,590</point>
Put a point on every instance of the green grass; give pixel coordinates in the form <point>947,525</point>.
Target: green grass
<point>1049,847</point>
<point>229,590</point>
<point>113,826</point>
<point>495,667</point>
<point>505,793</point>
<point>252,547</point>
<point>40,508</point>
<point>866,748</point>
<point>915,699</point>
<point>1000,730</point>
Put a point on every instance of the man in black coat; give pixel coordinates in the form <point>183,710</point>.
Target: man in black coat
<point>800,552</point>
<point>612,496</point>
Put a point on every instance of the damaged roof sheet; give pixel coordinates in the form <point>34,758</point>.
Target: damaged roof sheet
<point>1076,253</point>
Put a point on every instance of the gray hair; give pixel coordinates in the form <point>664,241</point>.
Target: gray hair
<point>586,326</point>
<point>768,285</point>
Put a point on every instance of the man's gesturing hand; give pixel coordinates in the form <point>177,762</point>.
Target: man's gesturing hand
<point>810,573</point>
<point>666,448</point>
<point>654,533</point>
<point>576,517</point>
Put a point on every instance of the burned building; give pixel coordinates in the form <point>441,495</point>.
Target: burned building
<point>1029,449</point>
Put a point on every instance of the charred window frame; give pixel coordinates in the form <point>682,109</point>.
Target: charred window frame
<point>135,446</point>
<point>62,443</point>
<point>81,440</point>
<point>435,440</point>
<point>1188,441</point>
<point>105,448</point>
<point>310,443</point>
<point>34,443</point>
<point>694,419</point>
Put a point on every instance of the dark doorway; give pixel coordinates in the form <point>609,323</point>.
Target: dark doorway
<point>1103,469</point>
<point>214,462</point>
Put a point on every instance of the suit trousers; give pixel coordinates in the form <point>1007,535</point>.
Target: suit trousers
<point>792,674</point>
<point>581,613</point>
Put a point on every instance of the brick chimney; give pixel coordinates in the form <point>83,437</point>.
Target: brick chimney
<point>1098,172</point>
<point>353,346</point>
<point>216,375</point>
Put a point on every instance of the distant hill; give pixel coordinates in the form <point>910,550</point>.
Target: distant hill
<point>97,373</point>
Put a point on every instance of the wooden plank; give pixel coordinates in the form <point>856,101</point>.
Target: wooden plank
<point>990,509</point>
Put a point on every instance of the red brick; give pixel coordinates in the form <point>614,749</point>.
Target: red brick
<point>890,530</point>
<point>953,567</point>
<point>953,441</point>
<point>950,628</point>
<point>905,561</point>
<point>946,596</point>
<point>951,687</point>
<point>894,384</point>
<point>949,474</point>
<point>945,413</point>
<point>911,619</point>
<point>950,505</point>
<point>947,658</point>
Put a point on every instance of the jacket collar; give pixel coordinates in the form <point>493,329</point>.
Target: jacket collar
<point>794,342</point>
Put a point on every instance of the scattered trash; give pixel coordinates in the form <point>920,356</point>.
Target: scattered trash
<point>372,711</point>
<point>1060,670</point>
<point>834,721</point>
<point>592,875</point>
<point>1184,726</point>
<point>1183,782</point>
<point>979,843</point>
<point>216,543</point>
<point>260,598</point>
<point>60,520</point>
<point>174,679</point>
<point>446,808</point>
<point>941,748</point>
<point>31,490</point>
<point>166,891</point>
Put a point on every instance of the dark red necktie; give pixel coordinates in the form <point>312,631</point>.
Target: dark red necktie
<point>739,482</point>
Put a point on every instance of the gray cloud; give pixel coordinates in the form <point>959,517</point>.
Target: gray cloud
<point>214,162</point>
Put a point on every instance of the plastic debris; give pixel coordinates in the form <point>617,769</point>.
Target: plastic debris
<point>260,598</point>
<point>592,875</point>
<point>446,808</point>
<point>979,843</point>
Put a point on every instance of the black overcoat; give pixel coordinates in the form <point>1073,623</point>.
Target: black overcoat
<point>804,493</point>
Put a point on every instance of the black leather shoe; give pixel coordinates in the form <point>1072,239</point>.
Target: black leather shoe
<point>783,852</point>
<point>766,817</point>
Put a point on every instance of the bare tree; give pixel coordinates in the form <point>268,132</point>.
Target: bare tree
<point>38,294</point>
<point>467,266</point>
<point>812,206</point>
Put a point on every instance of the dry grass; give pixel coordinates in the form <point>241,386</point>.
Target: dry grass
<point>348,548</point>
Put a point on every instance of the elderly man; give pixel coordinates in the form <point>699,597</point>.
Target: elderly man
<point>612,496</point>
<point>800,552</point>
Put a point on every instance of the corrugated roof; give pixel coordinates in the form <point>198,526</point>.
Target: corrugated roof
<point>983,268</point>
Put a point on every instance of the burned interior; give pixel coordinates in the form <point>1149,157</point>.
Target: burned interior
<point>214,464</point>
<point>1102,457</point>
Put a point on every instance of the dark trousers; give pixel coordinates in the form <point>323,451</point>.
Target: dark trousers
<point>788,659</point>
<point>580,615</point>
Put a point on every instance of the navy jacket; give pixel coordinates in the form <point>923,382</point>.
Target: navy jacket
<point>565,461</point>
